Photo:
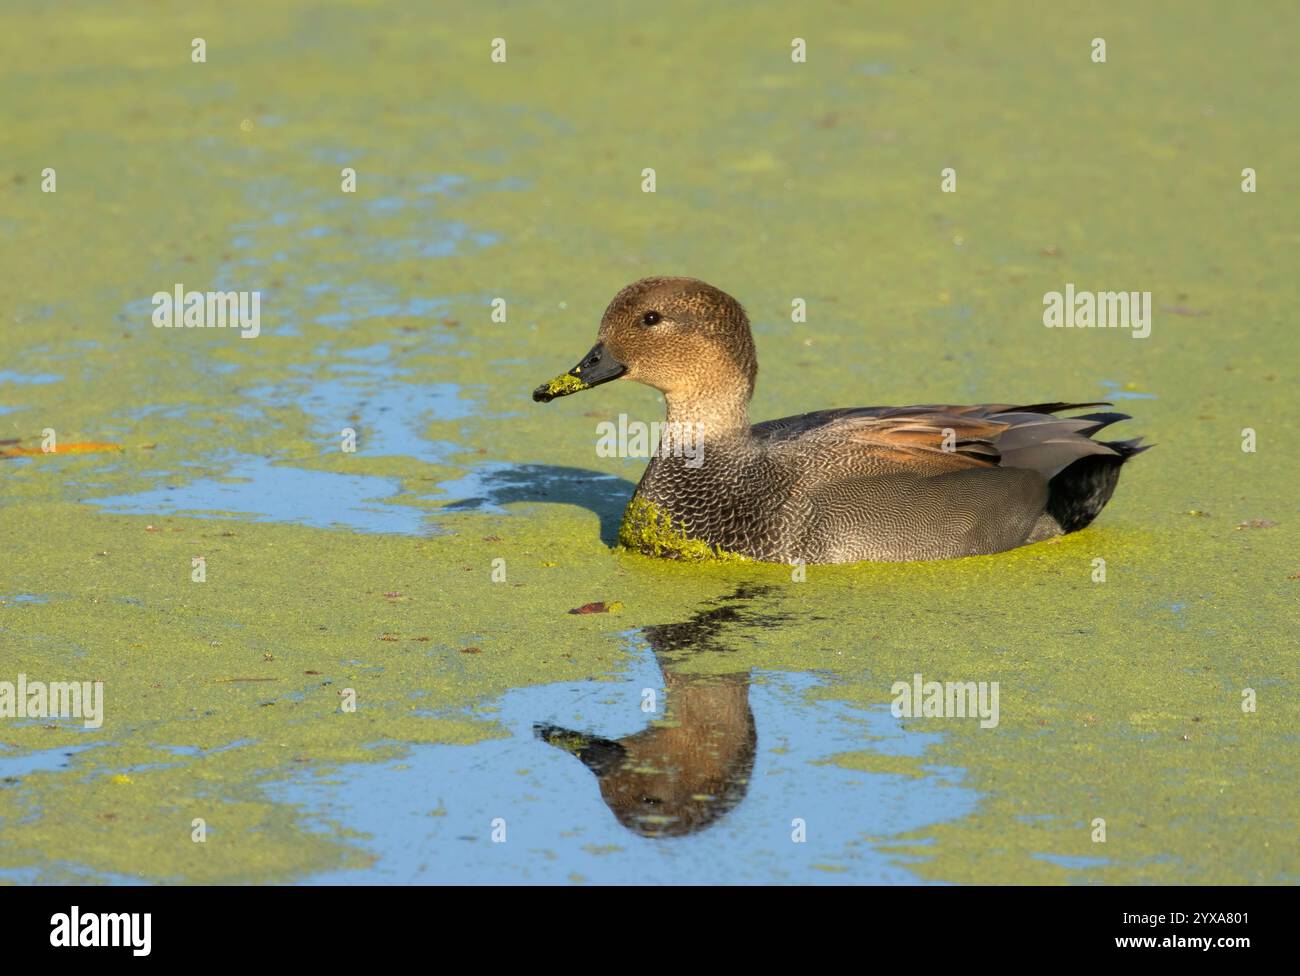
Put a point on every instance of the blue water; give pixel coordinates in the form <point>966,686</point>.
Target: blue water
<point>1075,863</point>
<point>1116,391</point>
<point>389,416</point>
<point>41,761</point>
<point>268,492</point>
<point>9,376</point>
<point>429,816</point>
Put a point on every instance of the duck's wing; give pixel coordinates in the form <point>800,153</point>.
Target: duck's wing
<point>936,439</point>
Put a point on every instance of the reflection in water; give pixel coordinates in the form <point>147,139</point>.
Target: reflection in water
<point>490,486</point>
<point>426,815</point>
<point>685,771</point>
<point>681,774</point>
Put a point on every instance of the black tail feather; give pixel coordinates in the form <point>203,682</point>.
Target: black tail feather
<point>1058,406</point>
<point>1100,420</point>
<point>1079,492</point>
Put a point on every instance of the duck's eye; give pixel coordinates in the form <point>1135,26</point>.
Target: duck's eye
<point>651,318</point>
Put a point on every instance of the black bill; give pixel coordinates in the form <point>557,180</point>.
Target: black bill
<point>597,367</point>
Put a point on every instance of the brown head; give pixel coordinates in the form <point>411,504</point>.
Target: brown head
<point>683,337</point>
<point>681,775</point>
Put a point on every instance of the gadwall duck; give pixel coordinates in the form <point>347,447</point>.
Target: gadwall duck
<point>834,486</point>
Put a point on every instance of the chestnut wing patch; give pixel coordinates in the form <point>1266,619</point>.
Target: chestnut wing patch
<point>936,439</point>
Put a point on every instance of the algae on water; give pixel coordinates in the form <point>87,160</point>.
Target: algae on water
<point>1120,699</point>
<point>648,529</point>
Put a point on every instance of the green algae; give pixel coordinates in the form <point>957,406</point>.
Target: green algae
<point>565,383</point>
<point>1121,699</point>
<point>649,530</point>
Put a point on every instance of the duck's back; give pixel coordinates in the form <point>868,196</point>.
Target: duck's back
<point>940,481</point>
<point>892,483</point>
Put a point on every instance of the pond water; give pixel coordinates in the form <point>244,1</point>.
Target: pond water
<point>378,677</point>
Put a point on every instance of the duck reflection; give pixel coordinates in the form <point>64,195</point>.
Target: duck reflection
<point>688,769</point>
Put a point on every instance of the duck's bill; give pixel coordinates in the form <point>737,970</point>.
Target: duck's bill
<point>597,367</point>
<point>601,756</point>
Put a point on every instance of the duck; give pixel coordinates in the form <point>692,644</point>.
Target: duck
<point>842,485</point>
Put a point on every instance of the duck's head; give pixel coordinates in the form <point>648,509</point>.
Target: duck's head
<point>681,336</point>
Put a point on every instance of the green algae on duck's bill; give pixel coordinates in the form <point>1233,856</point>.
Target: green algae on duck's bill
<point>564,384</point>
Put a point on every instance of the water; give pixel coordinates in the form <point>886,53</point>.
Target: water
<point>431,572</point>
<point>429,817</point>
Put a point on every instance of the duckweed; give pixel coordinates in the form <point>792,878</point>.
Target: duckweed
<point>565,383</point>
<point>1120,699</point>
<point>648,529</point>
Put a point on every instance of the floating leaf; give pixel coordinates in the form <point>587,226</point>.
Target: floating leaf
<point>613,606</point>
<point>80,447</point>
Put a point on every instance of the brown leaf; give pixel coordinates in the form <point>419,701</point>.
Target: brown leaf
<point>84,447</point>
